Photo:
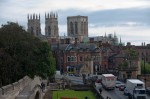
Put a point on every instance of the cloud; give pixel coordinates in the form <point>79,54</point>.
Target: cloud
<point>129,18</point>
<point>135,35</point>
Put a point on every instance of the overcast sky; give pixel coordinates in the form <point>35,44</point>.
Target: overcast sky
<point>129,19</point>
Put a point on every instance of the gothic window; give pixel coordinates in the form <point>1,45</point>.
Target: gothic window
<point>37,31</point>
<point>76,28</point>
<point>84,31</point>
<point>71,27</point>
<point>32,30</point>
<point>82,28</point>
<point>55,29</point>
<point>49,30</point>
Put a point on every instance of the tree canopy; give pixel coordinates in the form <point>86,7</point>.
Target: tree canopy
<point>23,54</point>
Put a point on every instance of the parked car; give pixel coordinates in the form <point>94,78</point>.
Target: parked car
<point>148,90</point>
<point>125,91</point>
<point>98,80</point>
<point>118,84</point>
<point>122,87</point>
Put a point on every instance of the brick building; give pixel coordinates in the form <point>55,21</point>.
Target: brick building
<point>78,58</point>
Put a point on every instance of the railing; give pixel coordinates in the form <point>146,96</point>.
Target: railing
<point>128,68</point>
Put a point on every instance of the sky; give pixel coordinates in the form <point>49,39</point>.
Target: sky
<point>129,19</point>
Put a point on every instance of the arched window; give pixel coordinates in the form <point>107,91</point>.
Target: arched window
<point>82,27</point>
<point>31,30</point>
<point>71,27</point>
<point>76,28</point>
<point>37,31</point>
<point>49,30</point>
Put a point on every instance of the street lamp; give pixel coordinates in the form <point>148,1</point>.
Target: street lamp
<point>67,68</point>
<point>144,72</point>
<point>96,69</point>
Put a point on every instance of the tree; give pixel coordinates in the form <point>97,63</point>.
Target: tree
<point>23,54</point>
<point>147,68</point>
<point>132,54</point>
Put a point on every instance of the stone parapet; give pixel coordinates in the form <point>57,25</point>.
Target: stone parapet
<point>12,90</point>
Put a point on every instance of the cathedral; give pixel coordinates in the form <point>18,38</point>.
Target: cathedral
<point>77,28</point>
<point>51,25</point>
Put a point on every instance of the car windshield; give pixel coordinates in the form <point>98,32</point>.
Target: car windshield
<point>140,91</point>
<point>118,82</point>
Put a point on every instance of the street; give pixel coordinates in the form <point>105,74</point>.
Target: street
<point>113,94</point>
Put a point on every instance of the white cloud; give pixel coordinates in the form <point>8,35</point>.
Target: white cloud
<point>87,5</point>
<point>134,34</point>
<point>17,10</point>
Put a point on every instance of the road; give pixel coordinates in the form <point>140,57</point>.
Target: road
<point>113,94</point>
<point>75,80</point>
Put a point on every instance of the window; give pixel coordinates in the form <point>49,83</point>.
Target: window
<point>97,58</point>
<point>32,30</point>
<point>81,58</point>
<point>93,57</point>
<point>37,32</point>
<point>76,28</point>
<point>55,30</point>
<point>68,59</point>
<point>71,28</point>
<point>71,58</point>
<point>49,30</point>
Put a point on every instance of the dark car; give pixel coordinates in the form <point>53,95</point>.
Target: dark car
<point>148,90</point>
<point>122,87</point>
<point>98,80</point>
<point>118,84</point>
<point>126,92</point>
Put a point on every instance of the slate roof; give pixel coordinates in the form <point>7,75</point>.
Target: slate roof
<point>78,46</point>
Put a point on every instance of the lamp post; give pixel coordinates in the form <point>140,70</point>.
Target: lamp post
<point>144,72</point>
<point>67,69</point>
<point>96,69</point>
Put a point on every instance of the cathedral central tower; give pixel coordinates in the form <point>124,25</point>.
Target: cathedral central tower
<point>34,25</point>
<point>77,26</point>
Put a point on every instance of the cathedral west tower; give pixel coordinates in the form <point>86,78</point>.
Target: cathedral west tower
<point>34,25</point>
<point>51,25</point>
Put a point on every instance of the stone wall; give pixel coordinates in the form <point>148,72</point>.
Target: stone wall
<point>12,90</point>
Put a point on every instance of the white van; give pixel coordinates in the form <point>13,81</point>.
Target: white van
<point>108,81</point>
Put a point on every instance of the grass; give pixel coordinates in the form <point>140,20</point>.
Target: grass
<point>73,94</point>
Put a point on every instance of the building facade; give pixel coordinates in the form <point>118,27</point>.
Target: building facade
<point>78,58</point>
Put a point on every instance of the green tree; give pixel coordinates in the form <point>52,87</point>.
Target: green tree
<point>23,54</point>
<point>132,54</point>
<point>145,69</point>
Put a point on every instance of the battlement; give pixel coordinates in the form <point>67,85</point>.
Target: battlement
<point>51,15</point>
<point>33,17</point>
